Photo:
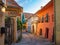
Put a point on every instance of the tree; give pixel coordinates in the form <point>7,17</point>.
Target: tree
<point>23,19</point>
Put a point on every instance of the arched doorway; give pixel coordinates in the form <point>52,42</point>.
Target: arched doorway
<point>40,31</point>
<point>47,32</point>
<point>33,29</point>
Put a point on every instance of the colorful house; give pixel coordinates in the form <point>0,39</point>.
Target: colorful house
<point>45,25</point>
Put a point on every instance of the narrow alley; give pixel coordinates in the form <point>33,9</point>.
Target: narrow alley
<point>30,39</point>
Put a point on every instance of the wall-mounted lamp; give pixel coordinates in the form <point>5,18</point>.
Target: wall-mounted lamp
<point>3,9</point>
<point>2,6</point>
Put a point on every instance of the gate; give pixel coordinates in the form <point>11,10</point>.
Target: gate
<point>9,34</point>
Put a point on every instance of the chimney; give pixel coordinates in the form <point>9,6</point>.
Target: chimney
<point>41,7</point>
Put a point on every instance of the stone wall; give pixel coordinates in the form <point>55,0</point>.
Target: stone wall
<point>2,39</point>
<point>2,24</point>
<point>57,16</point>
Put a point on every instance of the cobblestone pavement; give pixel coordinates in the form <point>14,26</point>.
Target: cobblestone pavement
<point>30,39</point>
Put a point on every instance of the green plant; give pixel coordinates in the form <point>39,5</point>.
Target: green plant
<point>19,27</point>
<point>19,24</point>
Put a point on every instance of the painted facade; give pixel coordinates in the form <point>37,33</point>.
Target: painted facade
<point>45,26</point>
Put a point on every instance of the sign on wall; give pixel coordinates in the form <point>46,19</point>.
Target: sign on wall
<point>12,13</point>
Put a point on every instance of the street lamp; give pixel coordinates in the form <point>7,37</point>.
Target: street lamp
<point>3,9</point>
<point>2,6</point>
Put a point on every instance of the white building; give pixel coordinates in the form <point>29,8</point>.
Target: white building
<point>32,22</point>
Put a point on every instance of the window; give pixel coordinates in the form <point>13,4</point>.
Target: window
<point>9,3</point>
<point>39,20</point>
<point>46,18</point>
<point>52,18</point>
<point>42,19</point>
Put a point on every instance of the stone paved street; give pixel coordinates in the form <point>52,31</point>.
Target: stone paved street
<point>30,39</point>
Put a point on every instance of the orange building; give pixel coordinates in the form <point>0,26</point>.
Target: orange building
<point>45,26</point>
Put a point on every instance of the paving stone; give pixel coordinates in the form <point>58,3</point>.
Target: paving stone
<point>30,39</point>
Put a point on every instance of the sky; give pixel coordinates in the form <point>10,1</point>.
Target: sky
<point>32,6</point>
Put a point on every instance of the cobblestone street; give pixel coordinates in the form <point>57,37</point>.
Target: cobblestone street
<point>30,39</point>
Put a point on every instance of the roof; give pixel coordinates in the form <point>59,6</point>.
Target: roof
<point>27,15</point>
<point>12,3</point>
<point>46,6</point>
